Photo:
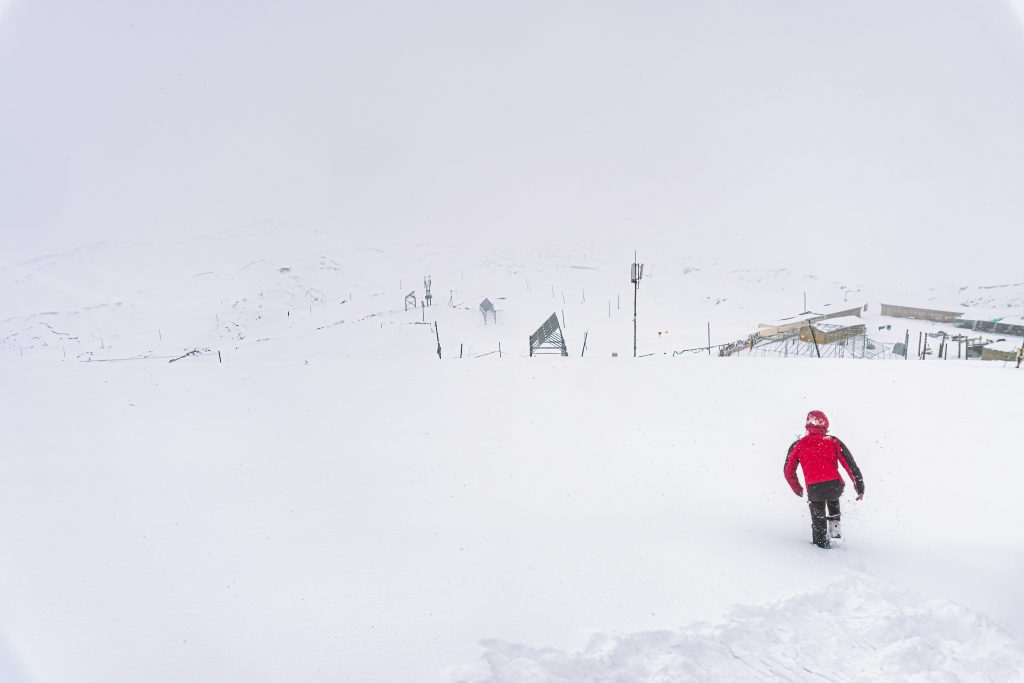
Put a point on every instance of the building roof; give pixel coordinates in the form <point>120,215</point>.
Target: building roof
<point>792,320</point>
<point>1006,345</point>
<point>825,309</point>
<point>818,312</point>
<point>839,323</point>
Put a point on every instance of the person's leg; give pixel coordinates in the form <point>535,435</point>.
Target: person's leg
<point>833,519</point>
<point>819,534</point>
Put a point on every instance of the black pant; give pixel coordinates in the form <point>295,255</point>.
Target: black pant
<point>819,526</point>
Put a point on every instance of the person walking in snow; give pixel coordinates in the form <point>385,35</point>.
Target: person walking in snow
<point>819,456</point>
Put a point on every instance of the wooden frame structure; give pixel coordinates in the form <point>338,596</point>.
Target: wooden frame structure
<point>548,339</point>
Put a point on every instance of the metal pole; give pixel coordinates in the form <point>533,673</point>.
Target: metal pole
<point>814,339</point>
<point>709,338</point>
<point>636,288</point>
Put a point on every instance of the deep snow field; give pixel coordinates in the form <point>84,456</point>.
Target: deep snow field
<point>332,502</point>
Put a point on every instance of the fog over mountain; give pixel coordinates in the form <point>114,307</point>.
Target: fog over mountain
<point>843,137</point>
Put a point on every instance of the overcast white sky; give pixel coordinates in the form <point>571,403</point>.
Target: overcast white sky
<point>846,134</point>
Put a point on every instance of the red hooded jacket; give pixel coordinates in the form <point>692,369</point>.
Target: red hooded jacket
<point>819,456</point>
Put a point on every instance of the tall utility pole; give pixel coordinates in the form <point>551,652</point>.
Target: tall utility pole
<point>636,273</point>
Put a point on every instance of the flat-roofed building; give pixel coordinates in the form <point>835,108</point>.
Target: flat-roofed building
<point>979,319</point>
<point>939,315</point>
<point>1011,324</point>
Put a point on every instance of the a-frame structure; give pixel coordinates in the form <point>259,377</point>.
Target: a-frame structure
<point>487,307</point>
<point>548,338</point>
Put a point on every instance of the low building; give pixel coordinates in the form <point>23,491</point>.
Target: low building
<point>980,320</point>
<point>833,330</point>
<point>1001,350</point>
<point>939,315</point>
<point>1011,324</point>
<point>793,324</point>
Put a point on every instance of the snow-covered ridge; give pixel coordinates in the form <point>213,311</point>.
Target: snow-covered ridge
<point>265,292</point>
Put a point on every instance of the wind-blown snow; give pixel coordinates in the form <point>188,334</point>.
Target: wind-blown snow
<point>855,629</point>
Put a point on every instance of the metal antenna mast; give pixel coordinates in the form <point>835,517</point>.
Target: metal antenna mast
<point>636,273</point>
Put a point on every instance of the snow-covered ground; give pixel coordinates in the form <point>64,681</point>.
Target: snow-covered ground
<point>332,502</point>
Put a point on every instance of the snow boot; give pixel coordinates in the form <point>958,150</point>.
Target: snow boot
<point>833,527</point>
<point>819,532</point>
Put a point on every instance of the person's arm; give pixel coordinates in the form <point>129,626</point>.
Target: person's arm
<point>850,465</point>
<point>790,469</point>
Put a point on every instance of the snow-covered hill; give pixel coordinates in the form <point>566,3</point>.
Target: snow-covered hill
<point>332,502</point>
<point>265,292</point>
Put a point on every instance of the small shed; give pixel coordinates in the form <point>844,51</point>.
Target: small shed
<point>833,330</point>
<point>1001,350</point>
<point>486,307</point>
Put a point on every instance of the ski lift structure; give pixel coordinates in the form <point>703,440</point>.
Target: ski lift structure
<point>410,299</point>
<point>548,339</point>
<point>487,308</point>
